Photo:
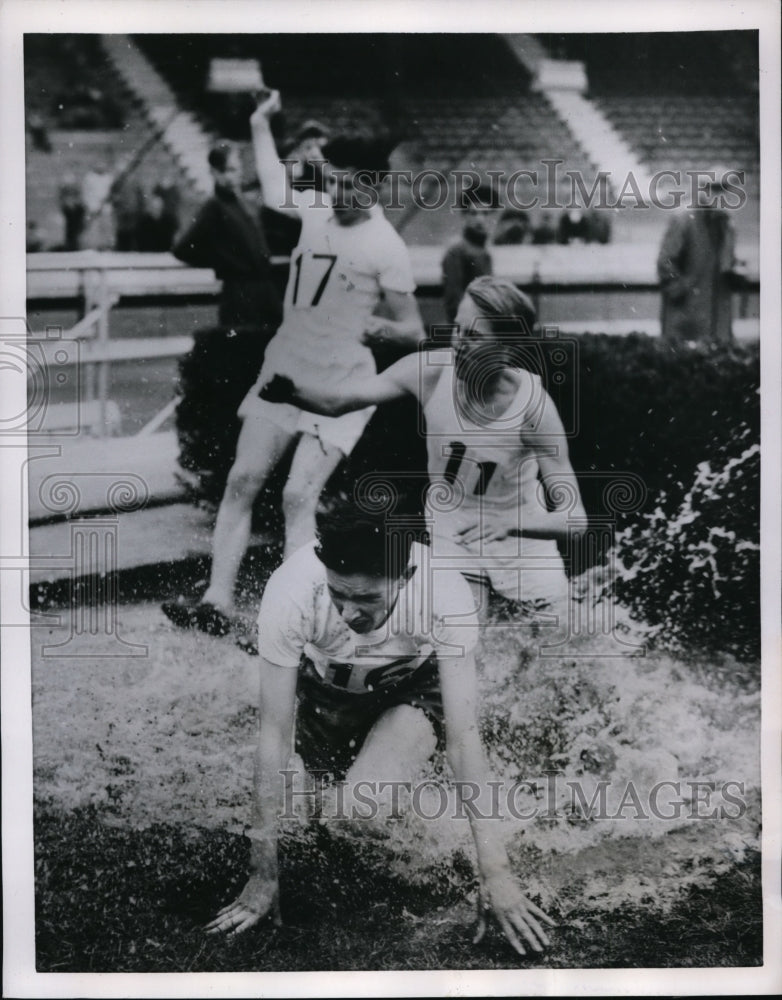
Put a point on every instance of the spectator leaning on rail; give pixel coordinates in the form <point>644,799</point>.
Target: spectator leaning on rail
<point>468,257</point>
<point>698,270</point>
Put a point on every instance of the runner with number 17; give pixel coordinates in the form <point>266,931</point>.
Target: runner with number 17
<point>347,258</point>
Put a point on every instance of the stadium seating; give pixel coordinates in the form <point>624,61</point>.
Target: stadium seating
<point>454,102</point>
<point>688,132</point>
<point>415,86</point>
<point>682,101</point>
<point>76,149</point>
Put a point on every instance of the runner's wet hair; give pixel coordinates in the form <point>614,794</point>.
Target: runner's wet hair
<point>504,304</point>
<point>511,317</point>
<point>355,538</point>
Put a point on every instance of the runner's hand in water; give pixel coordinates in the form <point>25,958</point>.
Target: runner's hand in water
<point>259,898</point>
<point>517,916</point>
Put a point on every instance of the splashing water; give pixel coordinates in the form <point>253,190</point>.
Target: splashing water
<point>170,738</point>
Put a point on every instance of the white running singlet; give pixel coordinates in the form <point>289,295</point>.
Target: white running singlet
<point>337,275</point>
<point>433,614</point>
<point>484,473</point>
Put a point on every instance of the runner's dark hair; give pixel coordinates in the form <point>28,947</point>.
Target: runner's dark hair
<point>362,151</point>
<point>354,537</point>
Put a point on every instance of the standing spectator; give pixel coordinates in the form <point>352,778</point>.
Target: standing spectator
<point>697,270</point>
<point>573,224</point>
<point>156,226</point>
<point>599,225</point>
<point>73,211</point>
<point>468,258</point>
<point>127,200</point>
<point>227,237</point>
<point>512,227</point>
<point>590,226</point>
<point>169,191</point>
<point>39,133</point>
<point>95,193</point>
<point>34,242</point>
<point>544,228</point>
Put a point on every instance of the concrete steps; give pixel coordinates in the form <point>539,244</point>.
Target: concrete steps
<point>598,138</point>
<point>181,132</point>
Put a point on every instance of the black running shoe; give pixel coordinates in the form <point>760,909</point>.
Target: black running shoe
<point>203,616</point>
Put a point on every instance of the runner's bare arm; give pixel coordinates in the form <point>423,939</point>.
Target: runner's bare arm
<point>566,512</point>
<point>407,377</point>
<point>404,328</point>
<point>500,894</point>
<point>260,896</point>
<point>271,173</point>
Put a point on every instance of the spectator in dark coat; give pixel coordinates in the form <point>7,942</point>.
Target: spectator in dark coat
<point>590,226</point>
<point>512,227</point>
<point>74,212</point>
<point>127,199</point>
<point>227,237</point>
<point>156,225</point>
<point>697,271</point>
<point>39,133</point>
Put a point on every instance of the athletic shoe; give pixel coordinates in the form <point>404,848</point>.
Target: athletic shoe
<point>203,616</point>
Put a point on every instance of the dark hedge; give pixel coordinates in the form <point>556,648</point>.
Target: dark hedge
<point>643,407</point>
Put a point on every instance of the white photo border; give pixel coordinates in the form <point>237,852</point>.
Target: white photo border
<point>260,16</point>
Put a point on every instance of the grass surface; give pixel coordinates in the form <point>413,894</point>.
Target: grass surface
<point>122,900</point>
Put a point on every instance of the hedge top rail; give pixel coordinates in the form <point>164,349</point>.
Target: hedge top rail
<point>613,266</point>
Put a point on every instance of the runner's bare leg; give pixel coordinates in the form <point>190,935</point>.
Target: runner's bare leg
<point>313,462</point>
<point>260,447</point>
<point>396,750</point>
